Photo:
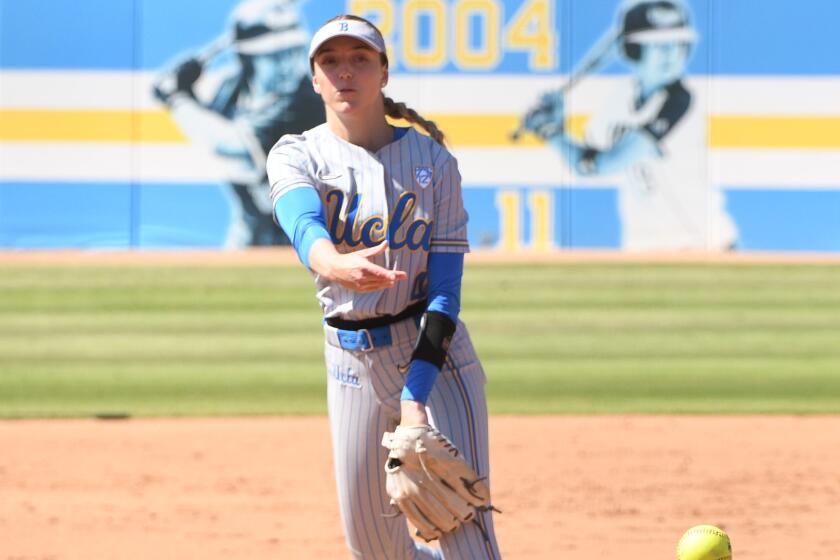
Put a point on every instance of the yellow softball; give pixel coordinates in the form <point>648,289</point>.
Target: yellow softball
<point>704,542</point>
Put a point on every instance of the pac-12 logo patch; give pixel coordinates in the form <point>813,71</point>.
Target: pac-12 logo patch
<point>423,176</point>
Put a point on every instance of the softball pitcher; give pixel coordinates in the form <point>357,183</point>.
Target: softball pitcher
<point>653,132</point>
<point>375,212</point>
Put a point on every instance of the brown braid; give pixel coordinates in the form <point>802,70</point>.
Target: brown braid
<point>394,109</point>
<point>399,110</point>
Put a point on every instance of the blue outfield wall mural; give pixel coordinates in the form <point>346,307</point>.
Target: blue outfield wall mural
<point>609,124</point>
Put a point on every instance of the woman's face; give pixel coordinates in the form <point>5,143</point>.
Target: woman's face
<point>348,75</point>
<point>662,63</point>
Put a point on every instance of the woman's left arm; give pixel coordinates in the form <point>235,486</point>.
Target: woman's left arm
<point>445,268</point>
<point>445,271</point>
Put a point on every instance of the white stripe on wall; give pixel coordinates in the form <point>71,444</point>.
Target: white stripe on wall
<point>789,169</point>
<point>84,90</point>
<point>437,93</point>
<point>108,162</point>
<point>524,167</point>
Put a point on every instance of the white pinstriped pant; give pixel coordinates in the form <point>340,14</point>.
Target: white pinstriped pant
<point>363,396</point>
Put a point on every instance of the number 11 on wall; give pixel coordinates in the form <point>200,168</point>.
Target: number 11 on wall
<point>537,221</point>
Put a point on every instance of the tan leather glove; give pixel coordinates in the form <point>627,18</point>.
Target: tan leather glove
<point>429,481</point>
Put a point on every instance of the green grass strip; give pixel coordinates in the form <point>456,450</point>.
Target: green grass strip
<point>553,338</point>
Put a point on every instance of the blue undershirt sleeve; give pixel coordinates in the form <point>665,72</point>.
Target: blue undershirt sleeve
<point>301,215</point>
<point>445,272</point>
<point>419,381</point>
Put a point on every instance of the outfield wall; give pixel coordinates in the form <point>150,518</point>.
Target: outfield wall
<point>90,158</point>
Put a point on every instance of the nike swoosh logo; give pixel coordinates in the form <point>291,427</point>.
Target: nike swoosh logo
<point>328,176</point>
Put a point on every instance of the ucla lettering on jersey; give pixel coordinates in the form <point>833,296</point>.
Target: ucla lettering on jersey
<point>344,227</point>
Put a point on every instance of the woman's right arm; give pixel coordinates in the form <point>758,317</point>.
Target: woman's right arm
<point>353,270</point>
<point>300,213</point>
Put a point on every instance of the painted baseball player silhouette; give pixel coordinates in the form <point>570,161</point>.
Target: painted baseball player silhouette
<point>267,95</point>
<point>653,133</point>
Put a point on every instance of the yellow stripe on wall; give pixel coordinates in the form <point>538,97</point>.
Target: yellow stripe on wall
<point>725,131</point>
<point>774,132</point>
<point>88,126</point>
<point>490,130</point>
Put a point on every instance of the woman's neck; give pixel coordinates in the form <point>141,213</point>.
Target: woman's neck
<point>371,131</point>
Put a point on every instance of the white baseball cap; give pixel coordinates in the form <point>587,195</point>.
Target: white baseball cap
<point>360,30</point>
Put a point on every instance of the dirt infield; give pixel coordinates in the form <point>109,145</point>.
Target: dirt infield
<point>614,487</point>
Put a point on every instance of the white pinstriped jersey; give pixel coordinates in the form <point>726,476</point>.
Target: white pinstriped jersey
<point>408,190</point>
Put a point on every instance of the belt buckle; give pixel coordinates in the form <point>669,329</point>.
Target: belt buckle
<point>371,344</point>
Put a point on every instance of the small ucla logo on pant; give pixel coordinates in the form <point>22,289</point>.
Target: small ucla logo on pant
<point>345,376</point>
